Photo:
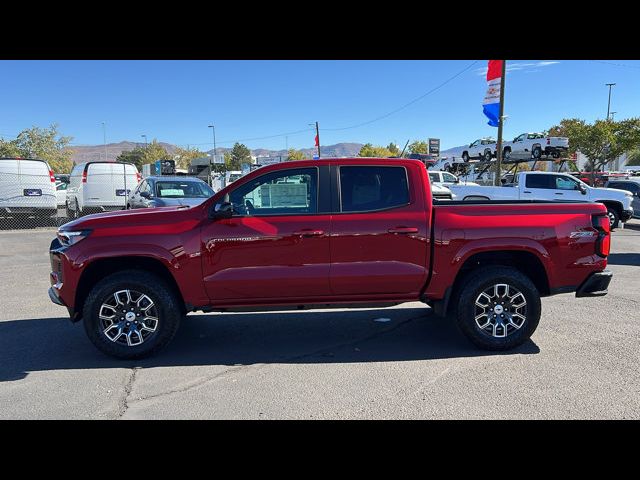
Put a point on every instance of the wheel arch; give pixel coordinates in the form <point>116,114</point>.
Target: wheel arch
<point>102,267</point>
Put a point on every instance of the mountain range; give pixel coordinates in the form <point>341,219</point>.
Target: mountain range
<point>86,153</point>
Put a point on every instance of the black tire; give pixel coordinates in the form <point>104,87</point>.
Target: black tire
<point>555,154</point>
<point>536,153</point>
<point>506,154</point>
<point>470,290</point>
<point>167,307</point>
<point>614,217</point>
<point>487,155</point>
<point>71,214</point>
<point>465,157</point>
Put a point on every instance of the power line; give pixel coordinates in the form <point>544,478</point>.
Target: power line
<point>616,64</point>
<point>409,103</point>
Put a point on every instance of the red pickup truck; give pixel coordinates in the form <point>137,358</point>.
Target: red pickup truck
<point>327,233</point>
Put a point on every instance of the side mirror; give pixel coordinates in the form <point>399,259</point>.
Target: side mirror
<point>457,180</point>
<point>582,188</point>
<point>221,211</point>
<point>146,195</point>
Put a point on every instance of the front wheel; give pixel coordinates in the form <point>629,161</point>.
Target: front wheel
<point>498,308</point>
<point>536,153</point>
<point>131,314</point>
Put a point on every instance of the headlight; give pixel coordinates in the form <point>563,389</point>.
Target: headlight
<point>68,238</point>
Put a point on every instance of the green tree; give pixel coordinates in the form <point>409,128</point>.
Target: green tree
<point>43,143</point>
<point>135,156</point>
<point>293,154</point>
<point>394,149</point>
<point>239,154</point>
<point>633,158</point>
<point>602,141</point>
<point>143,155</point>
<point>369,150</point>
<point>184,156</point>
<point>419,147</point>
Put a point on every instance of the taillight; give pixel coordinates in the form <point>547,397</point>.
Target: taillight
<point>84,177</point>
<point>603,242</point>
<point>138,176</point>
<point>51,177</point>
<point>548,141</point>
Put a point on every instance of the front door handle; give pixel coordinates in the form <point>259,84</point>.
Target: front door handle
<point>526,192</point>
<point>403,230</point>
<point>559,193</point>
<point>309,233</point>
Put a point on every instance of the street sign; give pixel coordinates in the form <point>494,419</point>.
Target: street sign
<point>434,146</point>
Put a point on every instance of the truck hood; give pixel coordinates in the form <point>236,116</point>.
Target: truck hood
<point>136,217</point>
<point>609,192</point>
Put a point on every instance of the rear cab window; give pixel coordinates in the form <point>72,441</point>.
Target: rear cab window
<point>540,181</point>
<point>372,188</point>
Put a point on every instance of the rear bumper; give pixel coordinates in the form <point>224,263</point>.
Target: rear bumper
<point>596,285</point>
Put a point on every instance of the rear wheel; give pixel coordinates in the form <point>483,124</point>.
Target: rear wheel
<point>536,153</point>
<point>614,217</point>
<point>498,308</point>
<point>506,154</point>
<point>465,157</point>
<point>487,155</point>
<point>131,314</point>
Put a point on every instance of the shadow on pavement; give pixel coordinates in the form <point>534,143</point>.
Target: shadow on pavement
<point>624,259</point>
<point>244,339</point>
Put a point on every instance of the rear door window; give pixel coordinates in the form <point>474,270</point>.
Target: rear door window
<point>372,188</point>
<point>540,181</point>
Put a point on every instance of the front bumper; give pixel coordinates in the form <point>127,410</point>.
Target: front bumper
<point>596,285</point>
<point>626,215</point>
<point>53,296</point>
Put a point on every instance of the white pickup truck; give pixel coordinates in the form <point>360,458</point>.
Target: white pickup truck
<point>555,187</point>
<point>535,145</point>
<point>447,179</point>
<point>481,149</point>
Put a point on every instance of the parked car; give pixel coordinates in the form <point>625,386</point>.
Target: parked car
<point>535,145</point>
<point>632,186</point>
<point>165,191</point>
<point>481,149</point>
<point>599,179</point>
<point>100,187</point>
<point>356,231</point>
<point>27,188</point>
<point>554,186</point>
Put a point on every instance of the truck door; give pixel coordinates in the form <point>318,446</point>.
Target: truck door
<point>379,231</point>
<point>276,245</point>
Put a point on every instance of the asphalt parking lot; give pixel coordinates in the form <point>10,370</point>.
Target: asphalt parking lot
<point>583,362</point>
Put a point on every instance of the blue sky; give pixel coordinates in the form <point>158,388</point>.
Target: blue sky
<point>174,101</point>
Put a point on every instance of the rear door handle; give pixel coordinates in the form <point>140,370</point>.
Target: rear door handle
<point>309,233</point>
<point>403,230</point>
<point>526,192</point>
<point>559,193</point>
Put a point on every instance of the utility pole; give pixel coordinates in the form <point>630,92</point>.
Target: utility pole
<point>609,102</point>
<point>104,137</point>
<point>500,122</point>
<point>317,137</point>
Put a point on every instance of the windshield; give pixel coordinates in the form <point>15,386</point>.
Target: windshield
<point>182,189</point>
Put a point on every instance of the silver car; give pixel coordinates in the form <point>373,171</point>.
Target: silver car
<point>166,191</point>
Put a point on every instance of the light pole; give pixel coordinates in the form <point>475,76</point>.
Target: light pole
<point>609,103</point>
<point>104,138</point>
<point>213,157</point>
<point>145,141</point>
<point>214,140</point>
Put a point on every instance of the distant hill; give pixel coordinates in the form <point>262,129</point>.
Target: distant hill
<point>88,153</point>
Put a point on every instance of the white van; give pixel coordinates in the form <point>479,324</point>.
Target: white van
<point>100,187</point>
<point>27,188</point>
